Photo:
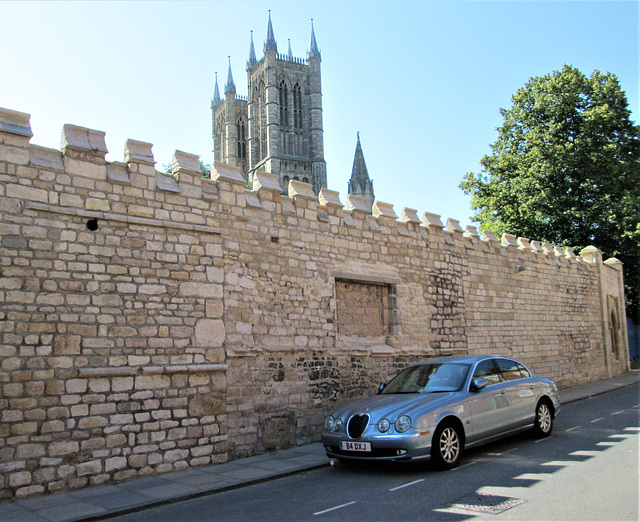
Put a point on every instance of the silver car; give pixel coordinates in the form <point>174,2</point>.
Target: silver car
<point>436,408</point>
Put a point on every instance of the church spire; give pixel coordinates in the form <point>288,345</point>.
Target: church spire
<point>216,94</point>
<point>230,87</point>
<point>313,51</point>
<point>270,42</point>
<point>252,54</point>
<point>360,183</point>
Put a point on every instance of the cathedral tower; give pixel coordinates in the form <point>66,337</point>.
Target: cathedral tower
<point>278,127</point>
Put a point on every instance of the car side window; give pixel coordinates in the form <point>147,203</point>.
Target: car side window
<point>487,370</point>
<point>510,369</point>
<point>525,373</point>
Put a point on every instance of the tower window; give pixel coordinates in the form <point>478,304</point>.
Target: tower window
<point>262,121</point>
<point>241,130</point>
<point>297,106</point>
<point>284,105</point>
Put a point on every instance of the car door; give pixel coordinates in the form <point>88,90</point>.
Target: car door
<point>489,408</point>
<point>519,390</point>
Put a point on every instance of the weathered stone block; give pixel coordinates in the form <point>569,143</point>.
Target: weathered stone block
<point>209,333</point>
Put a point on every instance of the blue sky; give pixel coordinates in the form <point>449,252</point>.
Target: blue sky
<point>422,81</point>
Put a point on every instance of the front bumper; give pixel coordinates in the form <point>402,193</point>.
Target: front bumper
<point>405,446</point>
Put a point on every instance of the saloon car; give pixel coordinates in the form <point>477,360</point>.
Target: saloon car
<point>437,408</point>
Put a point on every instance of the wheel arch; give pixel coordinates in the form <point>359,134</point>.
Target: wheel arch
<point>452,420</point>
<point>546,399</point>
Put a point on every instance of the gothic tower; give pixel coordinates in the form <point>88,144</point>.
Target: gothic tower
<point>278,127</point>
<point>360,183</point>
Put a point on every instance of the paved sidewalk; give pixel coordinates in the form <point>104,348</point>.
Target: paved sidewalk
<point>117,499</point>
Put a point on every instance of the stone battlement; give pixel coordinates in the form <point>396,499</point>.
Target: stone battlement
<point>79,143</point>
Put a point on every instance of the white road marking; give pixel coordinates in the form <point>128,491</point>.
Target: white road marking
<point>584,453</point>
<point>532,476</point>
<point>540,440</point>
<point>597,420</point>
<point>407,485</point>
<point>334,508</point>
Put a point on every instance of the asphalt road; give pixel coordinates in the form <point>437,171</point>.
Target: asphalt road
<point>587,470</point>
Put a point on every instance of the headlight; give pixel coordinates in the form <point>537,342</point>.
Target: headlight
<point>338,425</point>
<point>328,423</point>
<point>383,425</point>
<point>403,423</point>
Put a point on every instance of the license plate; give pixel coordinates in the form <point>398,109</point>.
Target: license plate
<point>355,446</point>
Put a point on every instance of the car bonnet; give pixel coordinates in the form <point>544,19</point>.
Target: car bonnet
<point>393,405</point>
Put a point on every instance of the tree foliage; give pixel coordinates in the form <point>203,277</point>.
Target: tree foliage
<point>566,169</point>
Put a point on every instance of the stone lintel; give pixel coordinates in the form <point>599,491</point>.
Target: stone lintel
<point>329,198</point>
<point>410,215</point>
<point>89,141</point>
<point>229,173</point>
<point>183,161</point>
<point>266,181</point>
<point>431,220</point>
<point>357,204</point>
<point>138,152</point>
<point>384,210</point>
<point>16,123</point>
<point>365,278</point>
<point>453,225</point>
<point>299,189</point>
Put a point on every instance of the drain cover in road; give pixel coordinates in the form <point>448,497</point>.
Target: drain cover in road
<point>481,503</point>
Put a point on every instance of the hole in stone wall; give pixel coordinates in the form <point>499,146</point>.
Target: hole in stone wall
<point>92,224</point>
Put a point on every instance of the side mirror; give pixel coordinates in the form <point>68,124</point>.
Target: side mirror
<point>381,387</point>
<point>479,384</point>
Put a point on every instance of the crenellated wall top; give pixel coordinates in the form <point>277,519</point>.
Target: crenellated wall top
<point>80,144</point>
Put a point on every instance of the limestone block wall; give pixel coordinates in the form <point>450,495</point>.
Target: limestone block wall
<point>153,322</point>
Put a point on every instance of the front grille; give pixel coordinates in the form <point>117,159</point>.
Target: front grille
<point>356,425</point>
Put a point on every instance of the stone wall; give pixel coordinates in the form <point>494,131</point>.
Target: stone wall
<point>153,322</point>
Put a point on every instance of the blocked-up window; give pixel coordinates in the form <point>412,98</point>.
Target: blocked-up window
<point>364,310</point>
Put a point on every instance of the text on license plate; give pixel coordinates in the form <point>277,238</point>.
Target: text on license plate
<point>355,446</point>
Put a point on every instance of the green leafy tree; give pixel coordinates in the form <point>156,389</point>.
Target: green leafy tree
<point>566,169</point>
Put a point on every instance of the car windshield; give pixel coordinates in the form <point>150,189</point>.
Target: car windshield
<point>429,378</point>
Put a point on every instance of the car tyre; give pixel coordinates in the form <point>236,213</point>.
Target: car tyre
<point>446,446</point>
<point>543,423</point>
